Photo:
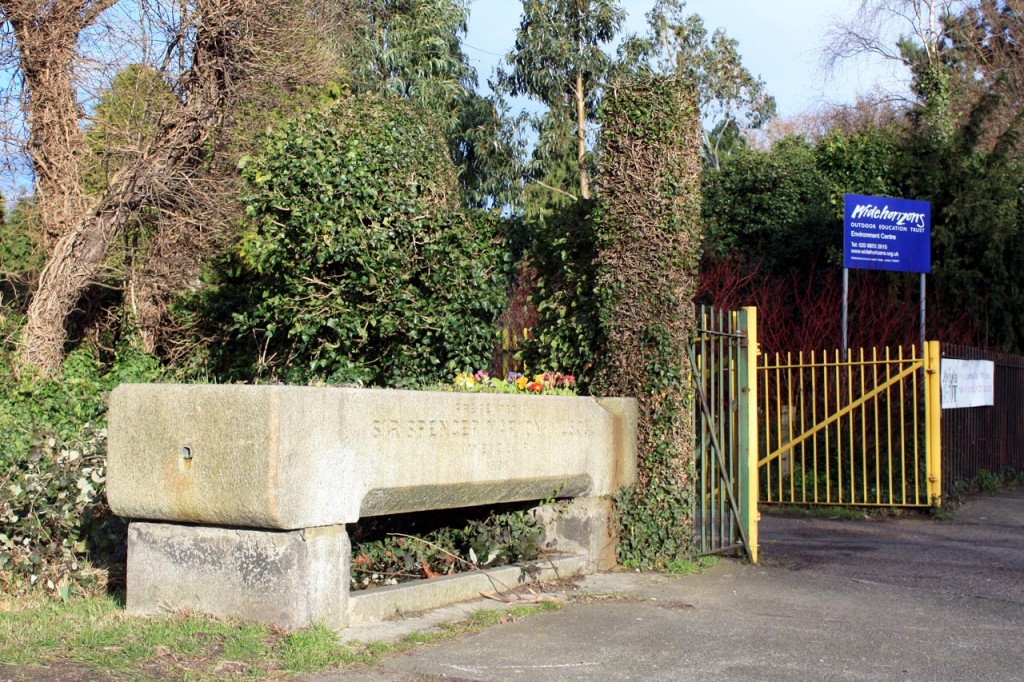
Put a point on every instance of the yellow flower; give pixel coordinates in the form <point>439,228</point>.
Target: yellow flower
<point>521,383</point>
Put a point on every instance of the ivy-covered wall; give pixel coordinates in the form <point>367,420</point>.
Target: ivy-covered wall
<point>649,233</point>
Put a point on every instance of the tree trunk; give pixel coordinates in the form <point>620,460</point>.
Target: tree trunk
<point>240,50</point>
<point>47,39</point>
<point>581,136</point>
<point>74,262</point>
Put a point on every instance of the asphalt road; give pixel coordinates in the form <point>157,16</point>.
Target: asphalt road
<point>979,553</point>
<point>895,599</point>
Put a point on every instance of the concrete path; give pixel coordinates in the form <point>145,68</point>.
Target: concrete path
<point>906,599</point>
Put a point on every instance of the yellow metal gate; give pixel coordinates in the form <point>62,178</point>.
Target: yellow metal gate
<point>863,430</point>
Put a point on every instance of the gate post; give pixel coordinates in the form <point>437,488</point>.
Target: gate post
<point>932,418</point>
<point>747,436</point>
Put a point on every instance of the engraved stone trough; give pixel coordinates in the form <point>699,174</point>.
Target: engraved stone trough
<point>239,495</point>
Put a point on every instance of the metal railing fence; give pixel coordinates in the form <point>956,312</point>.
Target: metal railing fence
<point>990,438</point>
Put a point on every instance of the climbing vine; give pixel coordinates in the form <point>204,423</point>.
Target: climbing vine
<point>649,231</point>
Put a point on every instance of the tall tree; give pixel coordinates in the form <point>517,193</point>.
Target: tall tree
<point>559,61</point>
<point>413,49</point>
<point>220,53</point>
<point>984,54</point>
<point>732,101</point>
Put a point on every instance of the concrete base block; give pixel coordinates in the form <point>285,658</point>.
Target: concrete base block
<point>291,579</point>
<point>581,526</point>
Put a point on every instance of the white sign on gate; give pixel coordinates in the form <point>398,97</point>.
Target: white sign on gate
<point>967,383</point>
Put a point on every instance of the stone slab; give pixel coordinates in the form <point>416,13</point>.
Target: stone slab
<point>371,606</point>
<point>286,457</point>
<point>581,526</point>
<point>292,579</point>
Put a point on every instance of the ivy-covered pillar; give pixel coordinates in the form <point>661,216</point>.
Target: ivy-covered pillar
<point>649,238</point>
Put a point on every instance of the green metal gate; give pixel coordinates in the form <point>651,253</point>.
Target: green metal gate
<point>723,357</point>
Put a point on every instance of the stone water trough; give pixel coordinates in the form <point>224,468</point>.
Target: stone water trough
<point>239,496</point>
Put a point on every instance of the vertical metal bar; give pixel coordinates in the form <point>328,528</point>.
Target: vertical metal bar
<point>736,455</point>
<point>839,428</point>
<point>709,384</point>
<point>704,480</point>
<point>747,436</point>
<point>923,276</point>
<point>734,359</point>
<point>765,471</point>
<point>789,430</point>
<point>778,424</point>
<point>706,350</point>
<point>814,417</point>
<point>825,414</point>
<point>878,446</point>
<point>825,383</point>
<point>863,436</point>
<point>903,433</point>
<point>933,415</point>
<point>850,429</point>
<point>802,393</point>
<point>888,420</point>
<point>720,408</point>
<point>917,434</point>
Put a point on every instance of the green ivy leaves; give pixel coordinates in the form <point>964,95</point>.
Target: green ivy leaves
<point>357,263</point>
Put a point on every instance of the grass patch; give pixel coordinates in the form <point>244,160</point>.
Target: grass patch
<point>95,632</point>
<point>691,567</point>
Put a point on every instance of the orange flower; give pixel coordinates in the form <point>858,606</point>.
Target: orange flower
<point>536,387</point>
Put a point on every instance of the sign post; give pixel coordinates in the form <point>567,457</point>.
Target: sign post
<point>882,233</point>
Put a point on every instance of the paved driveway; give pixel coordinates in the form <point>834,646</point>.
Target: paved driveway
<point>908,599</point>
<point>979,553</point>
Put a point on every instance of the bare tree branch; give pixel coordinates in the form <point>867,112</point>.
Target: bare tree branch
<point>231,54</point>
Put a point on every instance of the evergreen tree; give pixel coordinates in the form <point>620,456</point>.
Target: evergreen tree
<point>412,49</point>
<point>559,60</point>
<point>732,100</point>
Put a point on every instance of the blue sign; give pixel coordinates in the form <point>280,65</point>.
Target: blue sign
<point>880,233</point>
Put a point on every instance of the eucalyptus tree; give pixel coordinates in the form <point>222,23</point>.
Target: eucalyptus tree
<point>412,49</point>
<point>732,100</point>
<point>560,60</point>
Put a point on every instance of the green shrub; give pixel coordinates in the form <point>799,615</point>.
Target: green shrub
<point>55,526</point>
<point>357,263</point>
<point>987,481</point>
<point>567,334</point>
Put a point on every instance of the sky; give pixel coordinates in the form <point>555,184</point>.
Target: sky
<point>779,40</point>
